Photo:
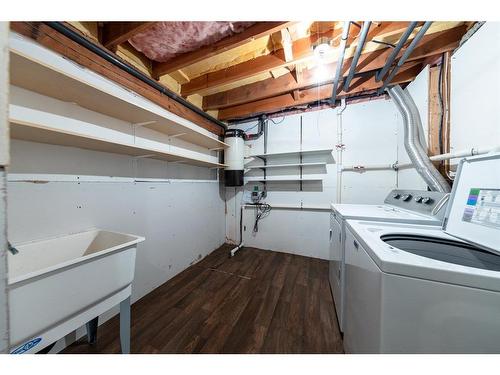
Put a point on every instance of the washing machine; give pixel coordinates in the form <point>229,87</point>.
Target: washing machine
<point>425,289</point>
<point>403,206</point>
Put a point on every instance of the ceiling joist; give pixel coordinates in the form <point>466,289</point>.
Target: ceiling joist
<point>430,45</point>
<point>301,50</point>
<point>303,97</point>
<point>258,30</point>
<point>115,33</point>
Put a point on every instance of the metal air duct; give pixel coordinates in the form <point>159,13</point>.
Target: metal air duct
<point>415,150</point>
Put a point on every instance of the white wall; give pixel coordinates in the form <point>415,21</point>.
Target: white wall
<point>182,220</point>
<point>371,134</point>
<point>475,91</point>
<point>4,157</point>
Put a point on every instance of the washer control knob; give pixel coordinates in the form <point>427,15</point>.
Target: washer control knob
<point>396,196</point>
<point>419,199</point>
<point>427,200</point>
<point>406,197</point>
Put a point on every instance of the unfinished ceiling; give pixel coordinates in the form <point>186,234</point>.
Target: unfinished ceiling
<point>237,70</point>
<point>165,40</point>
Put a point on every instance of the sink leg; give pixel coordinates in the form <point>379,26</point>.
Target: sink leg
<point>125,326</point>
<point>92,331</point>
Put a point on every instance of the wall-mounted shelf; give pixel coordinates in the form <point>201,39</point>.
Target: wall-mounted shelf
<point>324,152</point>
<point>37,69</point>
<point>278,180</point>
<point>43,134</point>
<point>271,166</point>
<point>308,207</point>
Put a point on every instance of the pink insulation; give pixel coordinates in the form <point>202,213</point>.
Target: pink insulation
<point>166,40</point>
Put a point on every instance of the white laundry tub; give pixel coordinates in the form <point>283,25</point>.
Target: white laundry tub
<point>57,285</point>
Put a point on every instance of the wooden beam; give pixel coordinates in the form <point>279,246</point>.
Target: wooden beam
<point>260,29</point>
<point>57,42</point>
<point>430,46</point>
<point>304,97</point>
<point>302,50</point>
<point>434,113</point>
<point>115,33</point>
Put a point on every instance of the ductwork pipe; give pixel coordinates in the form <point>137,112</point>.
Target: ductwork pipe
<point>416,152</point>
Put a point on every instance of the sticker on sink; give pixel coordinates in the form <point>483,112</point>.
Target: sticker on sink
<point>27,346</point>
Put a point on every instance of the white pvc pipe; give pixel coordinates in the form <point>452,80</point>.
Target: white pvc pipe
<point>451,155</point>
<point>237,248</point>
<point>340,149</point>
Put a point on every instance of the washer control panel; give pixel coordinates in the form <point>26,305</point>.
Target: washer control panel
<point>420,201</point>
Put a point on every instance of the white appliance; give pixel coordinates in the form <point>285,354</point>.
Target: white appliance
<point>404,206</point>
<point>424,289</point>
<point>58,284</point>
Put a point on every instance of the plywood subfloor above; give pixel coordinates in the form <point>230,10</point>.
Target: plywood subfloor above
<point>35,76</point>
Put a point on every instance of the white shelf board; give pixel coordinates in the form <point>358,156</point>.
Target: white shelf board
<point>326,152</point>
<point>295,207</point>
<point>37,76</point>
<point>261,179</point>
<point>270,166</point>
<point>42,134</point>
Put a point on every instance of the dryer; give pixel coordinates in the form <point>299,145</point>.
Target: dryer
<point>403,206</point>
<point>427,289</point>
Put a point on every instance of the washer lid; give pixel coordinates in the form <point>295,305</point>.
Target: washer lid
<point>473,212</point>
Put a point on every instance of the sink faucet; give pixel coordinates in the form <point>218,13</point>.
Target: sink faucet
<point>12,249</point>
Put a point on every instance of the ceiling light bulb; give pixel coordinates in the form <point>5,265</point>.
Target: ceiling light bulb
<point>321,50</point>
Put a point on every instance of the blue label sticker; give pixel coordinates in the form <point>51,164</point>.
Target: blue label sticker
<point>27,346</point>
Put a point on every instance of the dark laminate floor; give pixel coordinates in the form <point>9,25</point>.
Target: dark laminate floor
<point>256,302</point>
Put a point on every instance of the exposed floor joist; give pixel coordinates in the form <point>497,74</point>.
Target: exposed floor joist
<point>359,84</point>
<point>115,33</point>
<point>301,49</point>
<point>430,45</point>
<point>256,31</point>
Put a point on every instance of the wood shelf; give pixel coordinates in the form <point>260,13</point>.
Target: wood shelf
<point>325,152</point>
<point>42,134</point>
<point>271,166</point>
<point>260,179</point>
<point>66,81</point>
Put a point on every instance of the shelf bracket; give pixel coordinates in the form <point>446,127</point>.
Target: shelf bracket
<point>176,135</point>
<point>144,156</point>
<point>138,124</point>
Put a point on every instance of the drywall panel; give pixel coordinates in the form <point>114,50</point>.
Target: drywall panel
<point>369,137</point>
<point>475,91</point>
<point>182,222</point>
<point>4,336</point>
<point>4,160</point>
<point>300,232</point>
<point>4,93</point>
<point>419,91</point>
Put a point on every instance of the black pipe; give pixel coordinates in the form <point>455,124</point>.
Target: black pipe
<point>406,54</point>
<point>260,130</point>
<point>381,74</point>
<point>106,55</point>
<point>357,54</point>
<point>340,60</point>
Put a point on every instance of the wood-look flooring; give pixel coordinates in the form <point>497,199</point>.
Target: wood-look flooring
<point>256,302</point>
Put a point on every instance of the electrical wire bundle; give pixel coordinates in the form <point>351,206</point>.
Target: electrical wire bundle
<point>262,210</point>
